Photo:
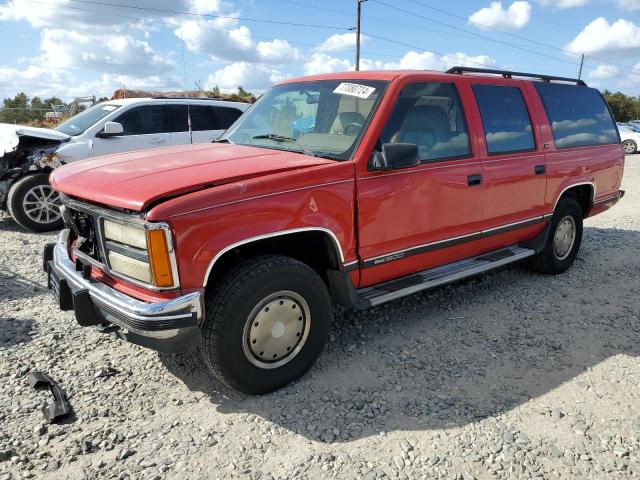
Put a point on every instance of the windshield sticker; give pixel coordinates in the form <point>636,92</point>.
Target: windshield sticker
<point>354,90</point>
<point>109,108</point>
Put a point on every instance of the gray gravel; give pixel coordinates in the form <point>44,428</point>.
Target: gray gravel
<point>509,375</point>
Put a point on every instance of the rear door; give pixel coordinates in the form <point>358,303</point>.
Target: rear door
<point>179,122</point>
<point>205,127</point>
<point>144,126</point>
<point>513,160</point>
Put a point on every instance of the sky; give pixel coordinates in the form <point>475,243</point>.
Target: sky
<point>70,48</point>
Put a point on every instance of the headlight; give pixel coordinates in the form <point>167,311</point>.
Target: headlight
<point>143,254</point>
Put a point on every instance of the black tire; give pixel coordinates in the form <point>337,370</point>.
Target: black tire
<point>16,207</point>
<point>548,261</point>
<point>227,328</point>
<point>630,147</point>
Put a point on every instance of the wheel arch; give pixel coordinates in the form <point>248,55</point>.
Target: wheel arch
<point>584,192</point>
<point>285,242</point>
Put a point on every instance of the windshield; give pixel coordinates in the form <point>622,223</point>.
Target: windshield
<point>80,122</point>
<point>324,118</point>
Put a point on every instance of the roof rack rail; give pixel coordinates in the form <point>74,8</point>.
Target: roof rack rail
<point>510,74</point>
<point>166,97</point>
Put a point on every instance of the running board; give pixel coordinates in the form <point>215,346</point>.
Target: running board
<point>384,292</point>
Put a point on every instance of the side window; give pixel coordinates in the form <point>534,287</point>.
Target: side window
<point>203,117</point>
<point>144,120</point>
<point>226,116</point>
<point>178,118</point>
<point>505,118</point>
<point>578,115</point>
<point>430,116</point>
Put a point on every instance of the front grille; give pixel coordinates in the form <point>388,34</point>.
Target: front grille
<point>84,226</point>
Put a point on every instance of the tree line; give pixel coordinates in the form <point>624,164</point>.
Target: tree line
<point>624,107</point>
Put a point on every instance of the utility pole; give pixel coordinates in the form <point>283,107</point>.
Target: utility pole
<point>358,11</point>
<point>581,65</point>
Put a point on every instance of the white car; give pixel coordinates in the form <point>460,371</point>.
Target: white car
<point>27,154</point>
<point>630,139</point>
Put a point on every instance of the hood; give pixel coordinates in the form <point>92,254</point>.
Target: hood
<point>10,136</point>
<point>134,180</point>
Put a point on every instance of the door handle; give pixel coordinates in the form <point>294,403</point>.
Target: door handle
<point>474,180</point>
<point>540,169</point>
<point>157,140</point>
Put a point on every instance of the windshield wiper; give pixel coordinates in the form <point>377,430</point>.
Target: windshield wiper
<point>275,137</point>
<point>222,140</point>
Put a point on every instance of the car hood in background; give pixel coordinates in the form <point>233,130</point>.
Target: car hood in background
<point>134,180</point>
<point>10,136</point>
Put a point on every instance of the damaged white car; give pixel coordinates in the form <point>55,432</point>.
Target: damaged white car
<point>28,154</point>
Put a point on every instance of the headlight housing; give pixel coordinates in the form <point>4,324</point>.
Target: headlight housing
<point>143,253</point>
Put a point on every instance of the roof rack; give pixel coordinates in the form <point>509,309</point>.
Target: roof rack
<point>510,74</point>
<point>165,97</point>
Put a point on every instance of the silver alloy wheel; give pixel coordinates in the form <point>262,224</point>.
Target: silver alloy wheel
<point>276,329</point>
<point>42,204</point>
<point>629,146</point>
<point>564,237</point>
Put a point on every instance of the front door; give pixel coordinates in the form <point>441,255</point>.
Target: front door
<point>428,215</point>
<point>144,126</point>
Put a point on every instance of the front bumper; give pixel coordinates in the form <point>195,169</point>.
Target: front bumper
<point>166,326</point>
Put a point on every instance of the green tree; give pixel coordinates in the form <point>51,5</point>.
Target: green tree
<point>623,107</point>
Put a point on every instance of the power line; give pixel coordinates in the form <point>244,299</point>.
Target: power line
<point>209,15</point>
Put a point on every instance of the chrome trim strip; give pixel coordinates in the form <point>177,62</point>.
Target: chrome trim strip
<point>608,199</point>
<point>271,235</point>
<point>450,242</point>
<point>183,307</point>
<point>351,266</point>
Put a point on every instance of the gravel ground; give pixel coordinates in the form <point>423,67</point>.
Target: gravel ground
<point>509,375</point>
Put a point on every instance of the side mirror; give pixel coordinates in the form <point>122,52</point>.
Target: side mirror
<point>111,129</point>
<point>395,156</point>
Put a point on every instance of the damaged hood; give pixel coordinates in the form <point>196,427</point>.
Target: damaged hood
<point>134,180</point>
<point>10,135</point>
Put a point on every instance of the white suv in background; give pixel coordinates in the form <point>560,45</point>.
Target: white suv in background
<point>28,155</point>
<point>630,139</point>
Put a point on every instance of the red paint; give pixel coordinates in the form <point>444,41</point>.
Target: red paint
<point>216,195</point>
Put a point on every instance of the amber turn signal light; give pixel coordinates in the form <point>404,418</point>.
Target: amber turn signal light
<point>159,258</point>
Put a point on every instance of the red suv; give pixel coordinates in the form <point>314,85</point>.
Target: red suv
<point>354,188</point>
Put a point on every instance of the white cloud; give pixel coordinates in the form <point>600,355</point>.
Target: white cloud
<point>630,5</point>
<point>251,76</point>
<point>600,36</point>
<point>224,40</point>
<point>340,41</point>
<point>323,63</point>
<point>496,16</point>
<point>604,71</point>
<point>563,4</point>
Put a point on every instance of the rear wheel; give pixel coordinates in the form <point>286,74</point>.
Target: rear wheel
<point>266,323</point>
<point>564,239</point>
<point>630,147</point>
<point>34,204</point>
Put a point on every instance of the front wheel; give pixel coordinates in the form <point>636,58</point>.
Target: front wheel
<point>266,323</point>
<point>630,147</point>
<point>34,204</point>
<point>564,239</point>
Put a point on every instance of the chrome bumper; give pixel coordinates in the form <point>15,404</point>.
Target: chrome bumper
<point>170,326</point>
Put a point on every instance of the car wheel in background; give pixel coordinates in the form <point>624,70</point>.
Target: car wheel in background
<point>630,147</point>
<point>34,204</point>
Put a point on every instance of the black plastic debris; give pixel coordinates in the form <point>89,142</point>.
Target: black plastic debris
<point>60,407</point>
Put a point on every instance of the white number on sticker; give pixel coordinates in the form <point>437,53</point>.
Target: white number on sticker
<point>354,90</point>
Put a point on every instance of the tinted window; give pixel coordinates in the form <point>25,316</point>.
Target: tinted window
<point>178,119</point>
<point>144,120</point>
<point>226,116</point>
<point>505,119</point>
<point>203,118</point>
<point>578,115</point>
<point>429,115</point>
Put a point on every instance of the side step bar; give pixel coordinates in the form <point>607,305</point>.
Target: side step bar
<point>416,282</point>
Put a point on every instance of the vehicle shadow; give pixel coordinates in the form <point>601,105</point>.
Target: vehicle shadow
<point>14,331</point>
<point>456,354</point>
<point>14,286</point>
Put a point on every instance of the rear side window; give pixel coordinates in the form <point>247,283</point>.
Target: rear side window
<point>430,116</point>
<point>144,120</point>
<point>226,116</point>
<point>505,119</point>
<point>578,115</point>
<point>203,118</point>
<point>178,118</point>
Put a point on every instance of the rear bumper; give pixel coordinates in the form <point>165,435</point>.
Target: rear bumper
<point>167,326</point>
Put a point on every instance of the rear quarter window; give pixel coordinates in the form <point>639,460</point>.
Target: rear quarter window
<point>226,116</point>
<point>578,115</point>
